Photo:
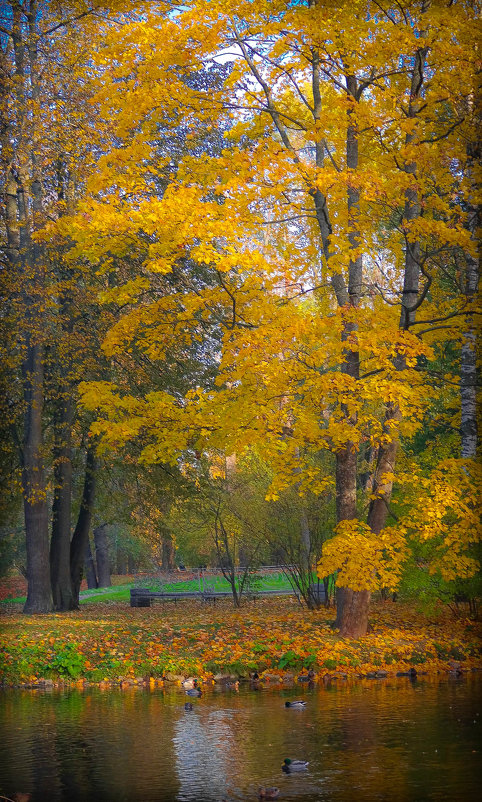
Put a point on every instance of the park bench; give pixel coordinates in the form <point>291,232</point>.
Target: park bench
<point>143,597</point>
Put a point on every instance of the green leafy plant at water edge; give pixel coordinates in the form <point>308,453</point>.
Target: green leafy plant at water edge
<point>310,660</point>
<point>330,663</point>
<point>417,658</point>
<point>442,651</point>
<point>289,660</point>
<point>68,662</point>
<point>456,653</point>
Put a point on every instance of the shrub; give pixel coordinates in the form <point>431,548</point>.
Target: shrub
<point>68,662</point>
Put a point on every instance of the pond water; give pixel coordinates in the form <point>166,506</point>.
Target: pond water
<point>395,739</point>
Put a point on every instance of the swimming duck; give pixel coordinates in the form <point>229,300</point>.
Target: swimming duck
<point>189,683</point>
<point>194,692</point>
<point>309,677</point>
<point>188,706</point>
<point>296,703</point>
<point>294,765</point>
<point>268,793</point>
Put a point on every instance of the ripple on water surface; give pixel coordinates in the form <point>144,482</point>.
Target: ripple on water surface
<point>390,739</point>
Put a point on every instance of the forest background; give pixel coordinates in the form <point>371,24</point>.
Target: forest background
<point>239,281</point>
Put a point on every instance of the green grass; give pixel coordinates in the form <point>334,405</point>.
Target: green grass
<point>120,593</point>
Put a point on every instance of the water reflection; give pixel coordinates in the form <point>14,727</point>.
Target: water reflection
<point>374,740</point>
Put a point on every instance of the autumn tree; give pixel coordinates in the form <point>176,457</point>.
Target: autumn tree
<point>331,228</point>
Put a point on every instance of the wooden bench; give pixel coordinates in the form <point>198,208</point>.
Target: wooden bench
<point>143,597</point>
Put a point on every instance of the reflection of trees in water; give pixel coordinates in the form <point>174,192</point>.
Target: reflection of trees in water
<point>29,754</point>
<point>394,736</point>
<point>388,739</point>
<point>204,744</point>
<point>131,745</point>
<point>89,746</point>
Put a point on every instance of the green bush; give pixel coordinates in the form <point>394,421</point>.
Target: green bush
<point>68,662</point>
<point>310,660</point>
<point>417,658</point>
<point>442,652</point>
<point>456,653</point>
<point>289,660</point>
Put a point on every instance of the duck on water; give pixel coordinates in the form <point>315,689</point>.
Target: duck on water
<point>294,765</point>
<point>194,690</point>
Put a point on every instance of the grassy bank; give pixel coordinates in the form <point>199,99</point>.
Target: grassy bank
<point>119,591</point>
<point>113,642</point>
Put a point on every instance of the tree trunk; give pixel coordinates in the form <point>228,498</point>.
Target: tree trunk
<point>351,606</point>
<point>90,568</point>
<point>353,616</point>
<point>102,556</point>
<point>80,538</point>
<point>167,547</point>
<point>39,599</point>
<point>387,456</point>
<point>347,602</point>
<point>61,508</point>
<point>468,356</point>
<point>23,208</point>
<point>379,506</point>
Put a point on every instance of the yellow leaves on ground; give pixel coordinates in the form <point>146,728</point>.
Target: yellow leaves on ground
<point>270,636</point>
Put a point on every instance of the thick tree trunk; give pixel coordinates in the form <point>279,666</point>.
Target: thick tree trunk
<point>102,556</point>
<point>167,546</point>
<point>354,612</point>
<point>61,508</point>
<point>23,210</point>
<point>39,599</point>
<point>347,602</point>
<point>90,573</point>
<point>80,538</point>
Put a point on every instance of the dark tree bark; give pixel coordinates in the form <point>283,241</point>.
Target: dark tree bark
<point>61,508</point>
<point>39,599</point>
<point>90,572</point>
<point>23,215</point>
<point>80,538</point>
<point>102,556</point>
<point>167,547</point>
